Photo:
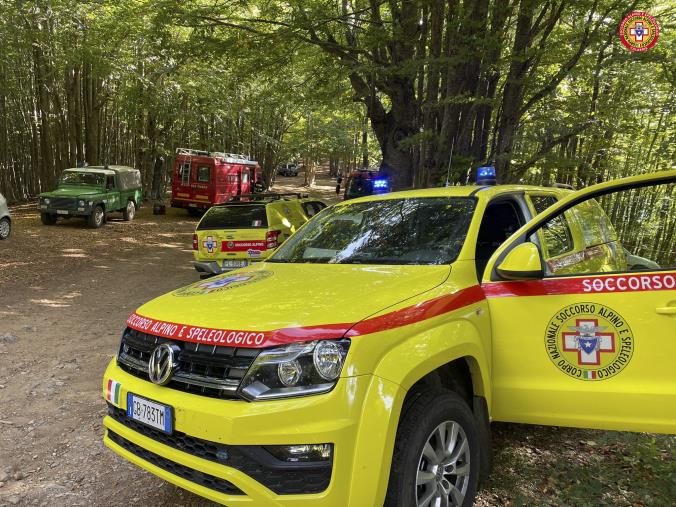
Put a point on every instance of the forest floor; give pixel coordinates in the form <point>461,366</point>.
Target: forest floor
<point>65,293</point>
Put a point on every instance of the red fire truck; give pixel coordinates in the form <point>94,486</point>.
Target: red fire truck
<point>202,179</point>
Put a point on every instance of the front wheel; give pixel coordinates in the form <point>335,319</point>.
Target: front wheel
<point>97,218</point>
<point>436,454</point>
<point>48,218</point>
<point>130,211</point>
<point>5,228</point>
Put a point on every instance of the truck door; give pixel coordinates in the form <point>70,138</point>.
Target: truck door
<point>580,339</point>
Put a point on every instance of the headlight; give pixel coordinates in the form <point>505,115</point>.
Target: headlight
<point>297,369</point>
<point>81,204</point>
<point>46,201</point>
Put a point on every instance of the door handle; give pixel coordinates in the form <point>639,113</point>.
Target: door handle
<point>666,310</point>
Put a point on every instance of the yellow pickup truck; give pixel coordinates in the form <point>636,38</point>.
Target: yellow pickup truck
<point>238,233</point>
<point>361,364</point>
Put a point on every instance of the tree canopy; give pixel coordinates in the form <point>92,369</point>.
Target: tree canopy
<point>432,88</point>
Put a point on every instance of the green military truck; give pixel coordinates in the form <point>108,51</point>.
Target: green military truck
<point>91,193</point>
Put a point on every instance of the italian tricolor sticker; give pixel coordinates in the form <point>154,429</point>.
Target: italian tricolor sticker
<point>113,393</point>
<point>590,375</point>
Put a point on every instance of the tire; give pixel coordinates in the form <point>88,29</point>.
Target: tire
<point>435,413</point>
<point>48,218</point>
<point>130,211</point>
<point>97,218</point>
<point>5,228</point>
<point>195,212</point>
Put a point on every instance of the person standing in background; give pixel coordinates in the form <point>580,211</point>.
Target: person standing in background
<point>339,180</point>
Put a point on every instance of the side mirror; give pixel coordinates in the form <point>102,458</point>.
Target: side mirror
<point>522,263</point>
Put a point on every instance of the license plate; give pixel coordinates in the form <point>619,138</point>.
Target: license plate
<point>235,264</point>
<point>149,412</point>
<point>61,212</point>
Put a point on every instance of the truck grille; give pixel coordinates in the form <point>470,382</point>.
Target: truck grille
<point>207,370</point>
<point>190,474</point>
<point>62,203</point>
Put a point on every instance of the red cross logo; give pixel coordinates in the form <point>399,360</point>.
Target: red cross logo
<point>588,341</point>
<point>638,31</point>
<point>209,244</point>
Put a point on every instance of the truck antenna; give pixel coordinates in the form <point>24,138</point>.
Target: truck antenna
<point>448,170</point>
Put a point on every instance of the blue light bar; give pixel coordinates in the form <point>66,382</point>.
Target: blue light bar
<point>485,175</point>
<point>380,184</point>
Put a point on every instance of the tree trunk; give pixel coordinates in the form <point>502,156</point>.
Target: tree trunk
<point>513,93</point>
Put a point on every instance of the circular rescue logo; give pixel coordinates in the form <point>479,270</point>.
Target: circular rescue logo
<point>588,341</point>
<point>223,282</point>
<point>639,31</point>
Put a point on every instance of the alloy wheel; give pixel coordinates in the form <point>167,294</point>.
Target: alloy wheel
<point>444,467</point>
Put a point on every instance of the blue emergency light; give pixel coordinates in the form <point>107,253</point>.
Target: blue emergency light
<point>380,184</point>
<point>485,175</point>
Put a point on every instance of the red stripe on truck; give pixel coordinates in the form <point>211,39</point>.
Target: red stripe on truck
<point>258,339</point>
<point>243,246</point>
<point>583,285</point>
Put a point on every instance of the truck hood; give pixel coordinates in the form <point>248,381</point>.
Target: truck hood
<point>73,192</point>
<point>272,303</point>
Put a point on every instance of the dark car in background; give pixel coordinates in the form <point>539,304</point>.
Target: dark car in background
<point>290,169</point>
<point>365,182</point>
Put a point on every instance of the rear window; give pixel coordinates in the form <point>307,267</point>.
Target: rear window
<point>234,217</point>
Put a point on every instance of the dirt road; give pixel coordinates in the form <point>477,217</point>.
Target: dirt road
<point>65,292</point>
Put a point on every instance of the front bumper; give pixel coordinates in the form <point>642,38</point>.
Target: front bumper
<point>63,212</point>
<point>210,268</point>
<point>206,425</point>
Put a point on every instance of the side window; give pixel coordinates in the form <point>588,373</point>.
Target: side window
<point>203,174</point>
<point>312,208</point>
<point>542,202</point>
<point>555,237</point>
<point>500,220</point>
<point>626,230</point>
<point>110,182</point>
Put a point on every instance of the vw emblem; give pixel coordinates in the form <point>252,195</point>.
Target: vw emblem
<point>162,363</point>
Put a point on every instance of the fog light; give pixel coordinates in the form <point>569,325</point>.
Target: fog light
<point>289,373</point>
<point>302,453</point>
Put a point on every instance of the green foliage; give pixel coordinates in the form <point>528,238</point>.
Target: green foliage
<point>128,81</point>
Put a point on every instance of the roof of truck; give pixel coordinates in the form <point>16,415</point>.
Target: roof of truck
<point>485,192</point>
<point>105,169</point>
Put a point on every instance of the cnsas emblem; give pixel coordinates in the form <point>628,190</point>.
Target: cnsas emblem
<point>223,282</point>
<point>639,31</point>
<point>588,341</point>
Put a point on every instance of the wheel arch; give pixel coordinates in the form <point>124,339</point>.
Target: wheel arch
<point>454,350</point>
<point>453,354</point>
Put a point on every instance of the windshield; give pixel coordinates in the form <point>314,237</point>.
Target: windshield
<point>82,178</point>
<point>234,216</point>
<point>427,230</point>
